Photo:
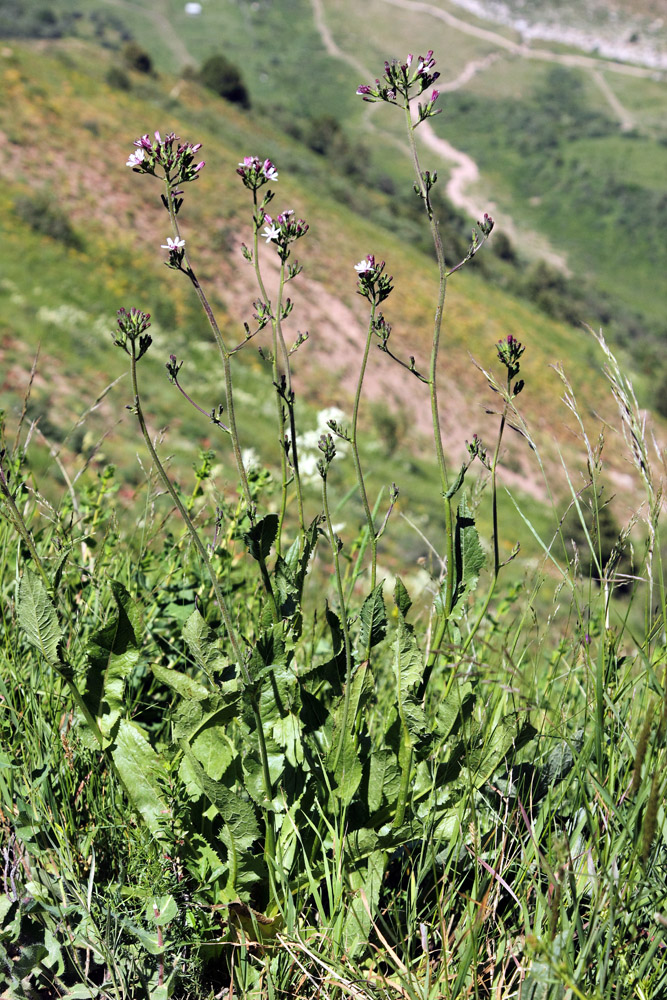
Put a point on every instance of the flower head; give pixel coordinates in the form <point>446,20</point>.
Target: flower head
<point>255,173</point>
<point>373,284</point>
<point>401,78</point>
<point>131,328</point>
<point>173,244</point>
<point>175,159</point>
<point>284,230</point>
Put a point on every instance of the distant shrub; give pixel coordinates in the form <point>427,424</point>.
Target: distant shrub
<point>224,78</point>
<point>137,58</point>
<point>21,20</point>
<point>43,215</point>
<point>321,133</point>
<point>118,79</point>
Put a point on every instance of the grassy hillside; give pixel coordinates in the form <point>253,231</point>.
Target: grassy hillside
<point>67,138</point>
<point>575,151</point>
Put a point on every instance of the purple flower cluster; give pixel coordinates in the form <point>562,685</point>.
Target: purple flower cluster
<point>255,173</point>
<point>374,285</point>
<point>176,158</point>
<point>283,230</point>
<point>405,79</point>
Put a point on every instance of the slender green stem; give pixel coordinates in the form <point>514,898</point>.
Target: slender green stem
<point>433,389</point>
<point>194,534</point>
<point>287,371</point>
<point>21,527</point>
<point>280,349</point>
<point>343,621</point>
<point>225,354</point>
<point>355,449</point>
<point>222,604</point>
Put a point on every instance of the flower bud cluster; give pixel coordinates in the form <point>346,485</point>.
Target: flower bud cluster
<point>328,449</point>
<point>477,450</point>
<point>131,326</point>
<point>255,173</point>
<point>509,352</point>
<point>175,158</point>
<point>408,79</point>
<point>283,230</point>
<point>373,284</point>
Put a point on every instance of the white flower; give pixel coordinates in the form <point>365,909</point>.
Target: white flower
<point>135,158</point>
<point>271,232</point>
<point>363,266</point>
<point>173,244</point>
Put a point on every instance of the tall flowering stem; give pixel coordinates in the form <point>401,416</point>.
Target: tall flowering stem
<point>375,286</point>
<point>133,339</point>
<point>280,231</point>
<point>400,85</point>
<point>173,162</point>
<point>328,449</point>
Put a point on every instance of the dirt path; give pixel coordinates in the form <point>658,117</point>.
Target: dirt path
<point>464,172</point>
<point>520,48</point>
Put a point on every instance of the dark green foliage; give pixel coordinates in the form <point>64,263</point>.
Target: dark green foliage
<point>21,19</point>
<point>224,78</point>
<point>118,78</point>
<point>137,58</point>
<point>43,214</point>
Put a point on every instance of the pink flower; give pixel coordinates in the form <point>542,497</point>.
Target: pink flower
<point>135,158</point>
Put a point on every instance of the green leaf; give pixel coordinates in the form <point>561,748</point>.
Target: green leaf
<point>366,884</point>
<point>408,661</point>
<point>166,910</point>
<point>183,685</point>
<point>458,483</point>
<point>214,750</point>
<point>261,536</point>
<point>203,644</point>
<point>383,779</point>
<point>401,597</point>
<point>343,758</point>
<point>454,708</point>
<point>38,616</point>
<point>483,762</point>
<point>237,813</point>
<point>373,618</point>
<point>469,556</point>
<point>141,771</point>
<point>113,652</point>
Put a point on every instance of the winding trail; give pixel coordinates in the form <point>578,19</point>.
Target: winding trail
<point>520,48</point>
<point>464,173</point>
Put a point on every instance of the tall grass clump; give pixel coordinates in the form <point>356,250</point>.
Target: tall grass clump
<point>236,761</point>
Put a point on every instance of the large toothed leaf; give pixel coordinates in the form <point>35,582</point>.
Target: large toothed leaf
<point>343,758</point>
<point>468,553</point>
<point>38,617</point>
<point>237,813</point>
<point>203,643</point>
<point>373,620</point>
<point>113,652</point>
<point>140,770</point>
<point>261,536</point>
